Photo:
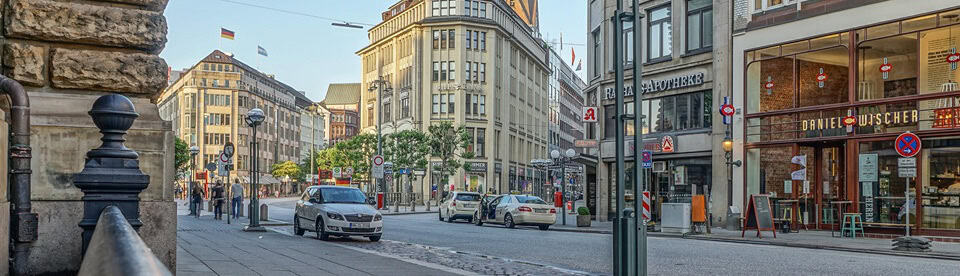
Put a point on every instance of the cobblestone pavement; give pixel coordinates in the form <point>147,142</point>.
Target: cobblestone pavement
<point>481,264</point>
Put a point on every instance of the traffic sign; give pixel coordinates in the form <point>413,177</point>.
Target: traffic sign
<point>224,158</point>
<point>377,166</point>
<point>347,172</point>
<point>907,172</point>
<point>337,172</point>
<point>907,144</point>
<point>646,206</point>
<point>727,110</point>
<point>589,114</point>
<point>229,149</point>
<point>211,166</point>
<point>646,157</point>
<point>907,162</point>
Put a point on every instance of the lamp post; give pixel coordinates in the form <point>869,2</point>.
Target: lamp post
<point>380,85</point>
<point>562,160</point>
<point>254,118</point>
<point>193,175</point>
<point>727,145</point>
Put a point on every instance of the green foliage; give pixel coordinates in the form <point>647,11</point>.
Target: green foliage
<point>287,168</point>
<point>583,211</point>
<point>407,149</point>
<point>355,153</point>
<point>181,156</point>
<point>449,144</point>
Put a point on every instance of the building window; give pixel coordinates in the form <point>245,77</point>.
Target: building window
<point>436,39</point>
<point>475,65</point>
<point>452,100</point>
<point>483,105</point>
<point>481,142</point>
<point>443,70</point>
<point>443,103</point>
<point>660,34</point>
<point>386,112</point>
<point>596,53</point>
<point>404,107</point>
<point>483,72</point>
<point>483,9</point>
<point>476,104</point>
<point>469,33</point>
<point>453,70</point>
<point>467,68</point>
<point>628,42</point>
<point>436,7</point>
<point>453,38</point>
<point>436,71</point>
<point>443,39</point>
<point>444,5</point>
<point>476,39</point>
<point>483,41</point>
<point>699,25</point>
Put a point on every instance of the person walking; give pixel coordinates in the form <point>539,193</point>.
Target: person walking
<point>237,203</point>
<point>218,198</point>
<point>196,199</point>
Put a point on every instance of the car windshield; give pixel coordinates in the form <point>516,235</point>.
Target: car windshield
<point>340,195</point>
<point>468,197</point>
<point>530,200</point>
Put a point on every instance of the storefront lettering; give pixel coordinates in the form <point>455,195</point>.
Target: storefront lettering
<point>863,120</point>
<point>652,86</point>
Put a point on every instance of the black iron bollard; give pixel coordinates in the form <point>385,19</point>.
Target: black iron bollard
<point>111,173</point>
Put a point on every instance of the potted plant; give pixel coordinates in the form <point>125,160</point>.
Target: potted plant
<point>583,217</point>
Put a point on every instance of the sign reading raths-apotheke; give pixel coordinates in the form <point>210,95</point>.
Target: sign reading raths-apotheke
<point>863,120</point>
<point>651,86</point>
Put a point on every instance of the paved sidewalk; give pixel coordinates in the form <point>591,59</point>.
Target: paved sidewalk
<point>210,247</point>
<point>823,240</point>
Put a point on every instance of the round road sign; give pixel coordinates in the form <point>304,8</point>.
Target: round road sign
<point>727,110</point>
<point>907,144</point>
<point>224,157</point>
<point>377,160</point>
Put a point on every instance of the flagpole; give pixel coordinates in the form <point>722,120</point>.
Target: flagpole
<point>220,39</point>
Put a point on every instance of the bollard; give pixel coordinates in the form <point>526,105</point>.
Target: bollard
<point>263,213</point>
<point>240,210</point>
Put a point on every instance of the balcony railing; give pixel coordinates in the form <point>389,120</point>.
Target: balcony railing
<point>116,249</point>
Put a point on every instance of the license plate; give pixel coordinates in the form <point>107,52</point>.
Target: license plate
<point>359,225</point>
<point>470,205</point>
<point>540,210</point>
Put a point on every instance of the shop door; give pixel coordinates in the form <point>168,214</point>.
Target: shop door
<point>831,184</point>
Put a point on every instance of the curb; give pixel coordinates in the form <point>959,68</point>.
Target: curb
<point>408,213</point>
<point>814,246</point>
<point>580,231</point>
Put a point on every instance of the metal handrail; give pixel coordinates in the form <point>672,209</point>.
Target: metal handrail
<point>116,249</point>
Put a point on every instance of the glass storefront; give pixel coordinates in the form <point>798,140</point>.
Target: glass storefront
<point>820,134</point>
<point>680,179</point>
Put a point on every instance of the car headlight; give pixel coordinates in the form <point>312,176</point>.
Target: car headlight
<point>378,217</point>
<point>334,216</point>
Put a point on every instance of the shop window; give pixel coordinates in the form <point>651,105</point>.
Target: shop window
<point>940,191</point>
<point>882,201</point>
<point>654,114</point>
<point>770,85</point>
<point>768,169</point>
<point>823,76</point>
<point>668,114</point>
<point>937,74</point>
<point>888,67</point>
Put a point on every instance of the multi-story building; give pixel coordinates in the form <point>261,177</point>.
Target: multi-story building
<point>313,122</point>
<point>566,104</point>
<point>825,88</point>
<point>207,106</point>
<point>472,63</point>
<point>342,103</point>
<point>681,61</point>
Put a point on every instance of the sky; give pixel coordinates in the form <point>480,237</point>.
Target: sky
<point>304,50</point>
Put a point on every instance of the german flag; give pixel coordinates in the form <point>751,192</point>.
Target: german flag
<point>228,34</point>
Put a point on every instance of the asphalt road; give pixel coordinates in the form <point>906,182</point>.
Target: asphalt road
<point>592,253</point>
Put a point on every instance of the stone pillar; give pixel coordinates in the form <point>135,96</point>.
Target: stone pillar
<point>111,174</point>
<point>67,54</point>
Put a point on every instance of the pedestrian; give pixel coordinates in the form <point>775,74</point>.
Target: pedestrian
<point>237,202</point>
<point>197,199</point>
<point>218,197</point>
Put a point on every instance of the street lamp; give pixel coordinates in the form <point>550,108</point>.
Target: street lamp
<point>727,145</point>
<point>193,168</point>
<point>254,118</point>
<point>380,85</point>
<point>562,160</point>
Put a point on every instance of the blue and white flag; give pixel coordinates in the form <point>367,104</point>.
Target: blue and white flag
<point>261,51</point>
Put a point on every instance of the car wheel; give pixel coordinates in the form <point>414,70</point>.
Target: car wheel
<point>470,220</point>
<point>477,220</point>
<point>440,215</point>
<point>449,218</point>
<point>508,221</point>
<point>296,226</point>
<point>544,227</point>
<point>374,238</point>
<point>321,230</point>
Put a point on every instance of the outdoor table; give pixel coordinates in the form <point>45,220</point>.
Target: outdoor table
<point>840,210</point>
<point>790,203</point>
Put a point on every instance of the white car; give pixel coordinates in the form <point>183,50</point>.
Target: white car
<point>336,211</point>
<point>513,210</point>
<point>459,205</point>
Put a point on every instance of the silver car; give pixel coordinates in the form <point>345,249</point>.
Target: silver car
<point>336,211</point>
<point>513,210</point>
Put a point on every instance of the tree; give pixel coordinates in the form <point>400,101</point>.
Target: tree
<point>358,151</point>
<point>407,149</point>
<point>181,156</point>
<point>449,144</point>
<point>286,169</point>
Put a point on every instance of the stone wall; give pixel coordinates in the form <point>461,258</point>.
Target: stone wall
<point>68,53</point>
